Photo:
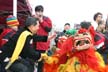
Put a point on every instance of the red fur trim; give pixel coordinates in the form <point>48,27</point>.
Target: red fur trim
<point>82,30</point>
<point>88,57</point>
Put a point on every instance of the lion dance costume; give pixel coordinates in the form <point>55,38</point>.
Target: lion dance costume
<point>82,56</point>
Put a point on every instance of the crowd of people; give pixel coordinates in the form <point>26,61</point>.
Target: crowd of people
<point>27,49</point>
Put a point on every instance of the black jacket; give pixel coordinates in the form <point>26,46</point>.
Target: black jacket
<point>27,52</point>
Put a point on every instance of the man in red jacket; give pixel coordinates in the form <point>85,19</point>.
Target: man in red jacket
<point>44,29</point>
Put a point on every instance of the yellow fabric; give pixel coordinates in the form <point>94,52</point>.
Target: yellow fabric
<point>43,56</point>
<point>101,61</point>
<point>73,65</point>
<point>51,60</point>
<point>19,47</point>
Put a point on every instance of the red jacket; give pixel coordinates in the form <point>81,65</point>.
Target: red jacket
<point>5,35</point>
<point>45,28</point>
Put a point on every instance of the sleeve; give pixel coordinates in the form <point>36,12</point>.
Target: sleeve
<point>99,40</point>
<point>38,38</point>
<point>29,51</point>
<point>57,37</point>
<point>46,24</point>
<point>7,49</point>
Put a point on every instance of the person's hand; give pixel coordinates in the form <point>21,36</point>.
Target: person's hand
<point>40,19</point>
<point>43,56</point>
<point>52,36</point>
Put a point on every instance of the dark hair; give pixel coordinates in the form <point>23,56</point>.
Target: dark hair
<point>85,24</point>
<point>39,8</point>
<point>30,21</point>
<point>67,24</point>
<point>96,15</point>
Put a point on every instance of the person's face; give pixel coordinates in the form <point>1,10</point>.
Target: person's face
<point>14,28</point>
<point>99,17</point>
<point>66,27</point>
<point>34,28</point>
<point>39,14</point>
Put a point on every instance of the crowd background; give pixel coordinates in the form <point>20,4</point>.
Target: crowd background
<point>49,38</point>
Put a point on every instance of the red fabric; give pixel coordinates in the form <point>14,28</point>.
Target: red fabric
<point>90,30</point>
<point>63,57</point>
<point>0,41</point>
<point>85,56</point>
<point>46,23</point>
<point>82,30</point>
<point>88,57</point>
<point>42,45</point>
<point>4,33</point>
<point>61,40</point>
<point>66,47</point>
<point>50,67</point>
<point>14,23</point>
<point>106,69</point>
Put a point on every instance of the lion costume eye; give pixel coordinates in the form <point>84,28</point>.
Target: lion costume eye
<point>82,41</point>
<point>78,42</point>
<point>87,42</point>
<point>85,34</point>
<point>76,35</point>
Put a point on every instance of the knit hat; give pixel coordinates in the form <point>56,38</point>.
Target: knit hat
<point>12,21</point>
<point>71,32</point>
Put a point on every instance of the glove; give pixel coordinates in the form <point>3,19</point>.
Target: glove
<point>43,56</point>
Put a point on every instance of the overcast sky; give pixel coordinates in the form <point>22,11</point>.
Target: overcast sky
<point>71,11</point>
